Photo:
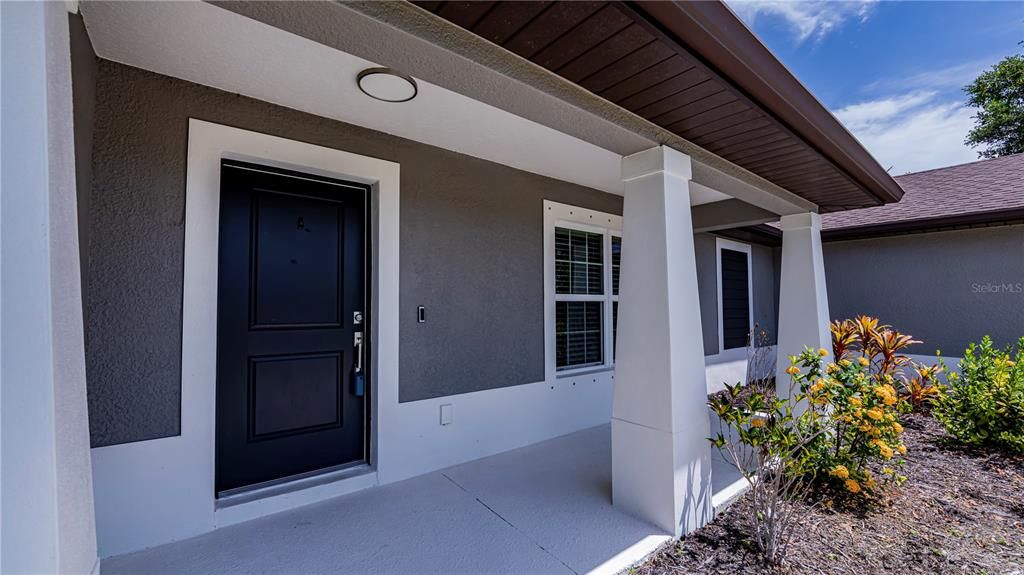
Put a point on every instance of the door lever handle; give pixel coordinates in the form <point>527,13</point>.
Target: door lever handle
<point>358,380</point>
<point>358,344</point>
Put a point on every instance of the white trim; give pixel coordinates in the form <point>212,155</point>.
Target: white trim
<point>156,491</point>
<point>575,217</point>
<point>720,244</point>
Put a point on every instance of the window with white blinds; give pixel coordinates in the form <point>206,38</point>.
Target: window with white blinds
<point>584,254</point>
<point>582,259</point>
<point>579,298</point>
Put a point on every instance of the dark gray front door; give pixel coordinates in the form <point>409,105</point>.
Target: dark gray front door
<point>290,295</point>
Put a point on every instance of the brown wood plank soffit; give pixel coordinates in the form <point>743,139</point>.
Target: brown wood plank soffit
<point>630,54</point>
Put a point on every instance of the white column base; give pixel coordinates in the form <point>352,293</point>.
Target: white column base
<point>655,477</point>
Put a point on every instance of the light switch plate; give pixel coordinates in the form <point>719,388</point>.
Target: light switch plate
<point>446,414</point>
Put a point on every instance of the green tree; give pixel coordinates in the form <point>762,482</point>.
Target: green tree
<point>998,94</point>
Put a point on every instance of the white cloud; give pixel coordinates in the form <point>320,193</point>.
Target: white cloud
<point>911,132</point>
<point>951,77</point>
<point>808,18</point>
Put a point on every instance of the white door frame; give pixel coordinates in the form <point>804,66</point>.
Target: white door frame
<point>162,490</point>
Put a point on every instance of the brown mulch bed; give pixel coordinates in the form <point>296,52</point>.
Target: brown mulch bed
<point>961,511</point>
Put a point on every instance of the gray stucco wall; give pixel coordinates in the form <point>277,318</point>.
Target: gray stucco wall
<point>471,251</point>
<point>944,288</point>
<point>765,277</point>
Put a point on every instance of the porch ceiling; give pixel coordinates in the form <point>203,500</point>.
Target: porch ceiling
<point>720,88</point>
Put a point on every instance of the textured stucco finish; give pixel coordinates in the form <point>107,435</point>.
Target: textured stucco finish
<point>765,277</point>
<point>947,289</point>
<point>471,251</point>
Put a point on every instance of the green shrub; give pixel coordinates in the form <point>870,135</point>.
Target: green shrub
<point>984,403</point>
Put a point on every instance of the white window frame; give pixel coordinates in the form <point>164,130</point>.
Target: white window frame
<point>576,218</point>
<point>720,244</point>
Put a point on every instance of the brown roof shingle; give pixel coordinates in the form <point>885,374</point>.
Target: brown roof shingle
<point>985,190</point>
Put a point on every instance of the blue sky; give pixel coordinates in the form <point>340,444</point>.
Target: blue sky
<point>892,71</point>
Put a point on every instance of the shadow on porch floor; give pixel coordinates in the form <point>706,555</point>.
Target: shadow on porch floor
<point>545,508</point>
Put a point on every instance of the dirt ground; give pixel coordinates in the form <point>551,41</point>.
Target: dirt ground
<point>961,511</point>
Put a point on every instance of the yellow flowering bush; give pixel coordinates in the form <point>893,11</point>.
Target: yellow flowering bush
<point>836,422</point>
<point>856,421</point>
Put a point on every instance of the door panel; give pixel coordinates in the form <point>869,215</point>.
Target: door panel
<point>294,393</point>
<point>296,261</point>
<point>291,278</point>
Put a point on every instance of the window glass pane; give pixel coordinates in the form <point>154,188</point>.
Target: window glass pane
<point>579,339</point>
<point>579,245</point>
<point>580,278</point>
<point>579,262</point>
<point>563,277</point>
<point>595,248</point>
<point>616,261</point>
<point>595,279</point>
<point>562,244</point>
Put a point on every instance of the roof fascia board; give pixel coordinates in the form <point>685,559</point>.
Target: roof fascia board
<point>716,36</point>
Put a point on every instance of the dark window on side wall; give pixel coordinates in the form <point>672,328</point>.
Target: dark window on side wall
<point>735,298</point>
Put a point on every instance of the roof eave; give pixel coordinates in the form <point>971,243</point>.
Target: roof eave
<point>991,217</point>
<point>712,32</point>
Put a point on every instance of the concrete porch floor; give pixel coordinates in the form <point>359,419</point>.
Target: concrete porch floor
<point>545,508</point>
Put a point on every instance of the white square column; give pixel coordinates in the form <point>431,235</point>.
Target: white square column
<point>661,468</point>
<point>803,300</point>
<point>47,523</point>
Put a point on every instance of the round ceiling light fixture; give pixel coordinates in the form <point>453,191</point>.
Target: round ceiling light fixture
<point>387,85</point>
